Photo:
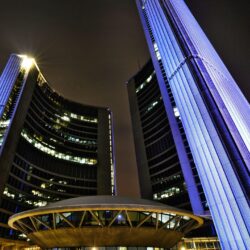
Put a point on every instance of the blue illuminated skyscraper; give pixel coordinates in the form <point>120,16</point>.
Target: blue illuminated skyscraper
<point>215,116</point>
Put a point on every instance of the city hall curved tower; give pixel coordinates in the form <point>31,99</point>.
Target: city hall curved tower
<point>160,173</point>
<point>213,113</point>
<point>51,148</point>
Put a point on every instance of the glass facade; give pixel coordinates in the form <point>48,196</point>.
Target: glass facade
<point>50,148</point>
<point>213,111</point>
<point>199,243</point>
<point>162,162</point>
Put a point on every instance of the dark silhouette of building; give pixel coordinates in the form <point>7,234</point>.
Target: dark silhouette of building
<point>50,148</point>
<point>160,174</point>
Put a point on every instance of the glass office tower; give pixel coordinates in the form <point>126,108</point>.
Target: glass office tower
<point>50,148</point>
<point>160,172</point>
<point>214,115</point>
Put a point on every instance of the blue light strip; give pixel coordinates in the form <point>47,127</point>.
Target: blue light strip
<point>231,102</point>
<point>223,87</point>
<point>8,79</point>
<point>227,202</point>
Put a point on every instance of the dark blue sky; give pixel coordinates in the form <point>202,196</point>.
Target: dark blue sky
<point>88,49</point>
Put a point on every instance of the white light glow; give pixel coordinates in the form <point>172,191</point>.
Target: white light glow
<point>44,147</point>
<point>27,62</point>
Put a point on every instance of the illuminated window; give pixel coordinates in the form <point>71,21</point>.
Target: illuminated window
<point>65,118</point>
<point>176,112</point>
<point>22,236</point>
<point>4,124</point>
<point>80,141</point>
<point>167,193</point>
<point>151,106</point>
<point>8,194</point>
<point>148,80</point>
<point>81,117</point>
<point>36,203</point>
<point>40,194</point>
<point>48,150</point>
<point>111,157</point>
<point>158,55</point>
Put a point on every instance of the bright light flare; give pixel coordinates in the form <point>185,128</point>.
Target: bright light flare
<point>27,63</point>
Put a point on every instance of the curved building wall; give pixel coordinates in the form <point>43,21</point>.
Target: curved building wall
<point>50,148</point>
<point>160,173</point>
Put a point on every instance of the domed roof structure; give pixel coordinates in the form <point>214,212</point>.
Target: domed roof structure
<point>105,221</point>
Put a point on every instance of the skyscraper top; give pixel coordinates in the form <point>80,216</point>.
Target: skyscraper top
<point>213,112</point>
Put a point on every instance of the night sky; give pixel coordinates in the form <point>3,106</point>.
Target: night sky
<point>88,49</point>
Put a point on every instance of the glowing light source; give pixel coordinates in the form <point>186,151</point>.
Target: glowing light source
<point>27,62</point>
<point>65,118</point>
